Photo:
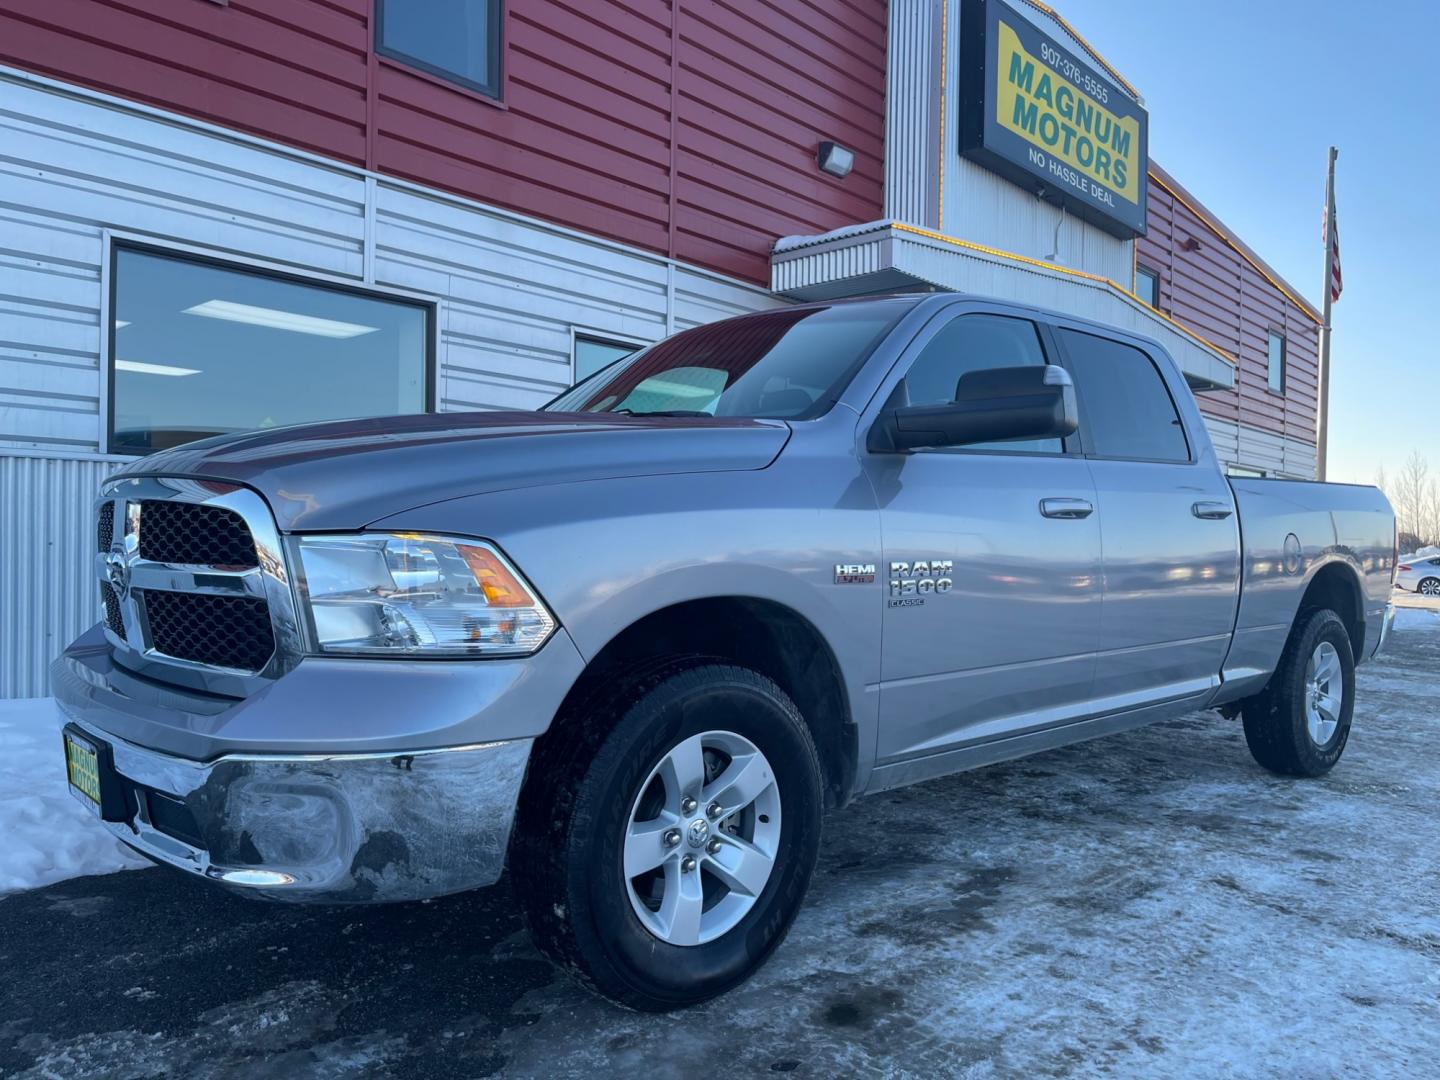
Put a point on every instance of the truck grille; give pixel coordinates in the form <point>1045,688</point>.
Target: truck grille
<point>105,527</point>
<point>195,592</point>
<point>219,631</point>
<point>194,534</point>
<point>112,611</point>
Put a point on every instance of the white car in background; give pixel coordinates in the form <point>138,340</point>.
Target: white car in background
<point>1419,574</point>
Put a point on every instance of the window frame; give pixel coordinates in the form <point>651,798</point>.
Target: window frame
<point>1083,433</point>
<point>1071,446</point>
<point>1274,333</point>
<point>599,337</point>
<point>499,15</point>
<point>1154,275</point>
<point>114,242</point>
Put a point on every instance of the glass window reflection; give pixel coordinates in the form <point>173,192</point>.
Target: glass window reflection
<point>202,349</point>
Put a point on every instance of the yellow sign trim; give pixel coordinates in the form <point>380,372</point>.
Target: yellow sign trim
<point>1080,40</point>
<point>970,245</point>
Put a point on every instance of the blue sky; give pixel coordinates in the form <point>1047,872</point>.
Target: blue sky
<point>1244,99</point>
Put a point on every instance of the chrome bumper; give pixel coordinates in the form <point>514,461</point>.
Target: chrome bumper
<point>347,828</point>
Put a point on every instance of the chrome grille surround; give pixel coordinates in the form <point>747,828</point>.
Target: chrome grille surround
<point>130,575</point>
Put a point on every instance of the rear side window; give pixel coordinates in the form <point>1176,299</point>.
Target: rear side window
<point>1125,408</point>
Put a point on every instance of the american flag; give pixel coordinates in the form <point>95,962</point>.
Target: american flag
<point>1331,231</point>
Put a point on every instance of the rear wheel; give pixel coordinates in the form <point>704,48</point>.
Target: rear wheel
<point>662,854</point>
<point>1430,586</point>
<point>1300,723</point>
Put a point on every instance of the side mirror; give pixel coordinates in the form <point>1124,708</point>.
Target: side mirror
<point>991,405</point>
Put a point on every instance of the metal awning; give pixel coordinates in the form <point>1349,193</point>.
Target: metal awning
<point>890,256</point>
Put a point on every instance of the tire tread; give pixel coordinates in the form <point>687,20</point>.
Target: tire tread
<point>1273,719</point>
<point>545,866</point>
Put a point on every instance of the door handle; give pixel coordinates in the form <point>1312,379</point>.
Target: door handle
<point>1066,508</point>
<point>1211,511</point>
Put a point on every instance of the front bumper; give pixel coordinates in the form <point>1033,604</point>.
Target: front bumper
<point>348,828</point>
<point>344,781</point>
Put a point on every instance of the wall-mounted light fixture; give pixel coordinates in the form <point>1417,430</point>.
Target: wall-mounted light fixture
<point>836,159</point>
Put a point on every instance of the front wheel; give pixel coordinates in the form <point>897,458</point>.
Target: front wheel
<point>1429,587</point>
<point>663,857</point>
<point>1300,723</point>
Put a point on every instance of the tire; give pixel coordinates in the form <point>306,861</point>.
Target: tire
<point>1429,586</point>
<point>1285,734</point>
<point>599,789</point>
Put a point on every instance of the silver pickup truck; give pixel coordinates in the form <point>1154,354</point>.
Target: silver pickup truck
<point>632,645</point>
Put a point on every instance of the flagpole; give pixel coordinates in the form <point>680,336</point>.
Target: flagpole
<point>1323,425</point>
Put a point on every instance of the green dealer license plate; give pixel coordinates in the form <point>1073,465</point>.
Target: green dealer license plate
<point>82,769</point>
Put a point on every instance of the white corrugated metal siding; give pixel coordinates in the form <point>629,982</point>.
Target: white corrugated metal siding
<point>912,112</point>
<point>1253,448</point>
<point>980,206</point>
<point>928,183</point>
<point>48,592</point>
<point>76,165</point>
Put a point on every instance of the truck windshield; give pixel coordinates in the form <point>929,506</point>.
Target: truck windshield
<point>790,364</point>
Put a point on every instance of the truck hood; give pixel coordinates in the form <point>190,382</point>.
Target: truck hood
<point>346,474</point>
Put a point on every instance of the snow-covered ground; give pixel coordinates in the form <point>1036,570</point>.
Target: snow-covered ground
<point>45,834</point>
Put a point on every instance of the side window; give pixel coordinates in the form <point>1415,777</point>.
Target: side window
<point>972,343</point>
<point>1125,409</point>
<point>1147,285</point>
<point>458,40</point>
<point>1275,361</point>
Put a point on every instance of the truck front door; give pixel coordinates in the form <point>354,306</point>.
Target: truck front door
<point>991,574</point>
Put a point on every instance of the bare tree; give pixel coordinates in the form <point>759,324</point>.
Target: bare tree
<point>1430,514</point>
<point>1415,499</point>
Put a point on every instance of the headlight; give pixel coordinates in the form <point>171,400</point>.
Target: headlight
<point>414,595</point>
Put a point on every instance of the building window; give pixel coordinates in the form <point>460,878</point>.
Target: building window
<point>201,348</point>
<point>458,40</point>
<point>1275,359</point>
<point>1244,472</point>
<point>1147,285</point>
<point>595,353</point>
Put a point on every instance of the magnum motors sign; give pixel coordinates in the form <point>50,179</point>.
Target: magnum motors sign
<point>1036,114</point>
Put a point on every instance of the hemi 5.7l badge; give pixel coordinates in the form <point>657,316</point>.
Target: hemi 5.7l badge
<point>855,573</point>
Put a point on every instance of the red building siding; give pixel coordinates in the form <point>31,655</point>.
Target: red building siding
<point>1211,282</point>
<point>687,127</point>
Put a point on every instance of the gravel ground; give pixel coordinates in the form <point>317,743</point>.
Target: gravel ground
<point>1146,905</point>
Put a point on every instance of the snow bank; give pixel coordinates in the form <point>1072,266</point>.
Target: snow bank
<point>1409,618</point>
<point>45,834</point>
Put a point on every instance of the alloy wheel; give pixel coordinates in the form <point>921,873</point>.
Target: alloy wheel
<point>1324,692</point>
<point>701,838</point>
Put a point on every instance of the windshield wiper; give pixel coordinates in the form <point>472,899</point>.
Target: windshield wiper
<point>663,412</point>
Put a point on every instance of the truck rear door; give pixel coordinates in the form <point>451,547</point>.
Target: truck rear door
<point>1169,532</point>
